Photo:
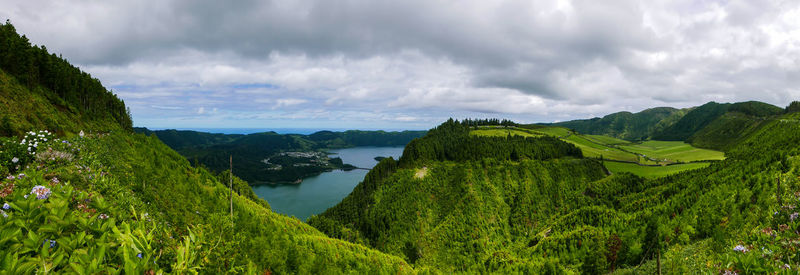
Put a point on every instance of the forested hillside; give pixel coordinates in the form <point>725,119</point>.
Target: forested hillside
<point>717,126</point>
<point>497,214</point>
<point>41,90</point>
<point>626,125</point>
<point>110,201</point>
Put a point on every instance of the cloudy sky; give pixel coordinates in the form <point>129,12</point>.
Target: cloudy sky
<point>413,63</point>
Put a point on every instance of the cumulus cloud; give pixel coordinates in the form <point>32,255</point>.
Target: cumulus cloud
<point>412,63</point>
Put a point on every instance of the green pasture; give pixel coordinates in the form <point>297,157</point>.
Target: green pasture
<point>652,171</point>
<point>673,151</point>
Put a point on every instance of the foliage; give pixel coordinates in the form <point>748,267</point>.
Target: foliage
<point>624,125</point>
<point>494,214</point>
<point>52,79</point>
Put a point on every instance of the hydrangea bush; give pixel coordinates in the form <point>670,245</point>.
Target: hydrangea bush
<point>773,248</point>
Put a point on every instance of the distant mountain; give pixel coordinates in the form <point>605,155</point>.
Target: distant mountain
<point>258,156</point>
<point>692,122</point>
<point>623,125</point>
<point>738,122</point>
<point>711,125</point>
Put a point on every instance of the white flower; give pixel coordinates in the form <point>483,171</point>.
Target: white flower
<point>81,133</point>
<point>14,160</point>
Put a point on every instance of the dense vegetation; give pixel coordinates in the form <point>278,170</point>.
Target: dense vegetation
<point>41,90</point>
<point>496,214</point>
<point>110,201</point>
<point>461,199</point>
<point>258,158</point>
<point>625,125</point>
<point>717,126</point>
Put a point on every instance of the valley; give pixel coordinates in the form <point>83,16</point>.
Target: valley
<point>709,189</point>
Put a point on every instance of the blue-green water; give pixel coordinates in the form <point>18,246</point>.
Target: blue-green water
<point>318,193</point>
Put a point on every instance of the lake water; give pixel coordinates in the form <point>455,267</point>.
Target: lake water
<point>318,193</point>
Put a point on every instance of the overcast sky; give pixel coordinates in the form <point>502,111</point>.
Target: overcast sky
<point>413,63</point>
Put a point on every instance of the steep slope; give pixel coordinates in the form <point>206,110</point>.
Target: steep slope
<point>736,124</point>
<point>490,213</point>
<point>110,201</point>
<point>692,122</point>
<point>625,125</point>
<point>460,203</point>
<point>43,91</point>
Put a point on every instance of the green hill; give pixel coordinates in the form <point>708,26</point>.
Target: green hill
<point>41,90</point>
<point>717,126</point>
<point>111,201</point>
<point>493,213</point>
<point>624,125</point>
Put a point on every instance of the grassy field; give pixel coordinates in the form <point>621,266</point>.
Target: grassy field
<point>503,132</point>
<point>606,139</point>
<point>594,150</point>
<point>554,131</point>
<point>652,171</point>
<point>595,146</point>
<point>673,151</point>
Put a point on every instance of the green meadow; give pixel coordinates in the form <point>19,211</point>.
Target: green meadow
<point>673,151</point>
<point>652,171</point>
<point>598,146</point>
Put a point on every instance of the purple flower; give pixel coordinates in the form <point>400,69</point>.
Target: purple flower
<point>10,177</point>
<point>793,216</point>
<point>41,192</point>
<point>4,214</point>
<point>20,176</point>
<point>6,206</point>
<point>139,255</point>
<point>54,180</point>
<point>52,242</point>
<point>740,248</point>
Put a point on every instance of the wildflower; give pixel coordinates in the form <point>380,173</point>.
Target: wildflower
<point>52,243</point>
<point>20,176</point>
<point>54,180</point>
<point>41,192</point>
<point>793,216</point>
<point>14,160</point>
<point>6,206</point>
<point>26,196</point>
<point>10,177</point>
<point>4,214</point>
<point>64,141</point>
<point>740,248</point>
<point>139,255</point>
<point>103,216</point>
<point>81,133</point>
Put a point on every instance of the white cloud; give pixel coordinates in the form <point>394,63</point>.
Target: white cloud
<point>420,61</point>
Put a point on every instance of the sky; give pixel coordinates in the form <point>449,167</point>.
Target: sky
<point>411,64</point>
